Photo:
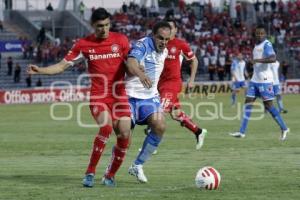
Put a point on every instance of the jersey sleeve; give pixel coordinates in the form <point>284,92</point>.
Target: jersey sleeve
<point>74,55</point>
<point>125,46</point>
<point>268,49</point>
<point>187,51</point>
<point>138,51</point>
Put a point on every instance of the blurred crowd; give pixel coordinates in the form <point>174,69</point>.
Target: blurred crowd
<point>214,36</point>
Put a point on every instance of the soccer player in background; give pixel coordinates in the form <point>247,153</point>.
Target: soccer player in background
<point>169,85</point>
<point>261,84</point>
<point>105,53</point>
<point>238,73</point>
<point>277,87</point>
<point>148,53</point>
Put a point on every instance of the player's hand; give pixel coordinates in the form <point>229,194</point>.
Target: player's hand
<point>190,84</point>
<point>146,81</point>
<point>142,68</point>
<point>33,69</point>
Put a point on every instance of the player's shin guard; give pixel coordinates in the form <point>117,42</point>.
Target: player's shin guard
<point>118,156</point>
<point>246,116</point>
<point>151,143</point>
<point>187,122</point>
<point>275,114</point>
<point>99,145</point>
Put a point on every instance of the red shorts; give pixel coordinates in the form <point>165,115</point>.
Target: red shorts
<point>169,100</point>
<point>117,109</point>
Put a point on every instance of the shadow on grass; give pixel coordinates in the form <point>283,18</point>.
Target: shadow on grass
<point>43,179</point>
<point>58,180</point>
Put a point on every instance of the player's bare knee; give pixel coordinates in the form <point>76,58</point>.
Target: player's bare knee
<point>159,127</point>
<point>122,127</point>
<point>268,104</point>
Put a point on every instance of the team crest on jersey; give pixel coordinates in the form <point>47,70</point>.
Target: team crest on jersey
<point>173,50</point>
<point>115,48</point>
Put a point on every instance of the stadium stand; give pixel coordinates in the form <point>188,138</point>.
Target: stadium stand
<point>214,35</point>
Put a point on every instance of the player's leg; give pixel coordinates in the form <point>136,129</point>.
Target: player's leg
<point>157,125</point>
<point>233,97</point>
<point>277,92</point>
<point>179,115</point>
<point>250,98</point>
<point>103,119</point>
<point>122,130</point>
<point>234,91</point>
<point>277,117</point>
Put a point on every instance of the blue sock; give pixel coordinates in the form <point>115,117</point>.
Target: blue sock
<point>233,98</point>
<point>246,116</point>
<point>151,143</point>
<point>280,103</point>
<point>275,114</point>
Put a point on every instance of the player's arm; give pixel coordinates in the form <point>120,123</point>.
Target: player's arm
<point>269,59</point>
<point>194,67</point>
<point>134,68</point>
<point>269,54</point>
<point>246,73</point>
<point>233,76</point>
<point>74,56</point>
<point>190,56</point>
<point>135,56</point>
<point>50,70</point>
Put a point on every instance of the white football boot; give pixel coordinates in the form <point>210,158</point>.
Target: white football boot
<point>138,172</point>
<point>284,134</point>
<point>200,139</point>
<point>237,135</point>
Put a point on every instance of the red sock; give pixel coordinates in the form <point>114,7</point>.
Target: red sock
<point>99,145</point>
<point>187,122</point>
<point>118,156</point>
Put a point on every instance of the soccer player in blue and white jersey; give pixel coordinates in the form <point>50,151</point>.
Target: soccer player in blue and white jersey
<point>148,53</point>
<point>276,86</point>
<point>238,76</point>
<point>261,84</point>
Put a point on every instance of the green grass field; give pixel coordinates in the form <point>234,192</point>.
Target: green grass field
<point>45,159</point>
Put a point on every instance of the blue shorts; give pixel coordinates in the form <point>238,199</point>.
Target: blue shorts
<point>263,90</point>
<point>238,84</point>
<point>141,109</point>
<point>277,90</point>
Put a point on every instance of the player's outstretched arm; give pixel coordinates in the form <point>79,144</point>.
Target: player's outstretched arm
<point>134,69</point>
<point>50,70</point>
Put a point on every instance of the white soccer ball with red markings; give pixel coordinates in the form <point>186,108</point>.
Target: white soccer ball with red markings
<point>208,178</point>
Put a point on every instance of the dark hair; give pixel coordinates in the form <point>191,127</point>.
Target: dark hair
<point>171,20</point>
<point>260,26</point>
<point>161,24</point>
<point>99,14</point>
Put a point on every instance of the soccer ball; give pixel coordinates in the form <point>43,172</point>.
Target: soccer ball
<point>208,178</point>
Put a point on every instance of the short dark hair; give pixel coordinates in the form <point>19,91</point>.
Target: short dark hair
<point>260,26</point>
<point>99,14</point>
<point>171,20</point>
<point>161,24</point>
